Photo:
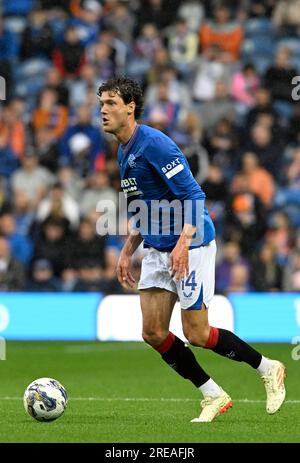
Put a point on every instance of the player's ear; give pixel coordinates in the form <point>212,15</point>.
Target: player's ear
<point>130,108</point>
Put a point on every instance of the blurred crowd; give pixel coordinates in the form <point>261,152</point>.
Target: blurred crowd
<point>219,78</point>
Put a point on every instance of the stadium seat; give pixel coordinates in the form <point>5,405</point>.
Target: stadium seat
<point>258,27</point>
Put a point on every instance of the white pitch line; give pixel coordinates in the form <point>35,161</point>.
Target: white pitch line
<point>152,399</point>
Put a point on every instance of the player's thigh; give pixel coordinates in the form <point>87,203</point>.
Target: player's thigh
<point>157,305</point>
<point>195,323</point>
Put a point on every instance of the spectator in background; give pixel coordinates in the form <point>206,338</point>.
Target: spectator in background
<point>288,194</point>
<point>88,246</point>
<point>82,146</point>
<point>8,159</point>
<point>59,204</point>
<point>42,280</point>
<point>178,91</point>
<point>286,17</point>
<point>281,235</point>
<point>8,54</point>
<point>259,180</point>
<point>147,42</point>
<point>245,220</point>
<point>46,148</point>
<point>163,106</point>
<point>266,273</point>
<point>216,190</point>
<point>243,87</point>
<point>122,20</point>
<point>272,124</point>
<point>261,8</point>
<point>192,125</point>
<point>31,179</point>
<point>49,114</point>
<point>188,137</point>
<point>100,58</point>
<point>219,107</point>
<point>183,48</point>
<point>231,257</point>
<point>117,48</point>
<point>223,31</point>
<point>240,279</point>
<point>266,147</point>
<point>70,57</point>
<point>68,279</point>
<point>12,275</point>
<point>12,128</point>
<point>4,196</point>
<point>278,79</point>
<point>23,214</point>
<point>155,12</point>
<point>55,81</point>
<point>18,106</point>
<point>71,182</point>
<point>292,272</point>
<point>86,21</point>
<point>292,178</point>
<point>79,88</point>
<point>209,68</point>
<point>91,279</point>
<point>20,244</point>
<point>222,142</point>
<point>143,51</point>
<point>160,62</point>
<point>195,153</point>
<point>262,105</point>
<point>193,12</point>
<point>37,39</point>
<point>54,243</point>
<point>215,186</point>
<point>98,189</point>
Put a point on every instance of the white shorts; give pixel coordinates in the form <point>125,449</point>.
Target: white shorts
<point>196,289</point>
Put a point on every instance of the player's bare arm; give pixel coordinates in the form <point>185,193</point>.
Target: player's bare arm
<point>179,257</point>
<point>124,274</point>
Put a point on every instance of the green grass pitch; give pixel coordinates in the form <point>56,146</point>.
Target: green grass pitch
<point>123,392</point>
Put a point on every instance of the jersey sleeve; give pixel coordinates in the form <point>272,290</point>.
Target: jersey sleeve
<point>171,165</point>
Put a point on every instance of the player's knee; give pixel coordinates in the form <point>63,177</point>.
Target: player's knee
<point>197,337</point>
<point>154,337</point>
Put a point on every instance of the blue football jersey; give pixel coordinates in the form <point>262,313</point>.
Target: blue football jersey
<point>153,169</point>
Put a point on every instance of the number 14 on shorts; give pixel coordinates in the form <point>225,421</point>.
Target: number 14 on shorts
<point>189,285</point>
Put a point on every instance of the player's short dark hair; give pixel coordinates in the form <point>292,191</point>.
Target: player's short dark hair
<point>128,89</point>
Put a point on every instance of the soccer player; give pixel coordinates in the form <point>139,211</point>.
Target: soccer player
<point>178,265</point>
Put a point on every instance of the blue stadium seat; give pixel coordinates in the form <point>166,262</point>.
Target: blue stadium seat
<point>292,43</point>
<point>258,26</point>
<point>258,51</point>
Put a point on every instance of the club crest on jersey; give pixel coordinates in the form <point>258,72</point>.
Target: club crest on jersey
<point>131,159</point>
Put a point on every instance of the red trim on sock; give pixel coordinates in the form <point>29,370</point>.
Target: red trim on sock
<point>212,338</point>
<point>167,344</point>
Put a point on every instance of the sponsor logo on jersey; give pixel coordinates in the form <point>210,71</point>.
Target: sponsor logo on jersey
<point>129,186</point>
<point>172,168</point>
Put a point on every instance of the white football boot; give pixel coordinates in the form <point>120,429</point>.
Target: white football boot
<point>274,384</point>
<point>212,407</point>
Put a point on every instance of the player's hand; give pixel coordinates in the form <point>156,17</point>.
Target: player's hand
<point>179,261</point>
<point>124,274</point>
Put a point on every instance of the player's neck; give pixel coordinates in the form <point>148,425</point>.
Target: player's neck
<point>125,133</point>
